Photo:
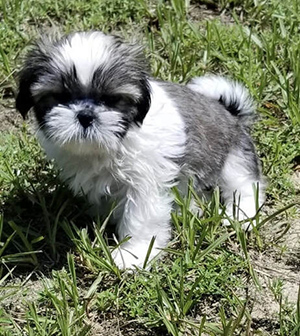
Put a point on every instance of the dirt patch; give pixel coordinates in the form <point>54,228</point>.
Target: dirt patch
<point>296,179</point>
<point>281,265</point>
<point>116,326</point>
<point>200,12</point>
<point>22,290</point>
<point>10,119</point>
<point>278,267</point>
<point>19,291</point>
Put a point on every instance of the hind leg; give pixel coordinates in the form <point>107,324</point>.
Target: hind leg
<point>240,175</point>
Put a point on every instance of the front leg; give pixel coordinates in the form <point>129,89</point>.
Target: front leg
<point>144,216</point>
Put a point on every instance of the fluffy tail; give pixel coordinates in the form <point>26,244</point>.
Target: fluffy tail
<point>230,94</point>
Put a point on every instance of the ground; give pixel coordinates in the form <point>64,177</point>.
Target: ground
<point>56,273</point>
<point>9,119</point>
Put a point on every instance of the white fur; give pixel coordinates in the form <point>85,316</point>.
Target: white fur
<point>138,174</point>
<point>87,52</point>
<point>238,189</point>
<point>216,87</point>
<point>65,130</point>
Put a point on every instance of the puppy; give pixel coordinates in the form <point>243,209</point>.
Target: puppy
<point>121,136</point>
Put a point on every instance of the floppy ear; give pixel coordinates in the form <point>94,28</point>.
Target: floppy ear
<point>144,102</point>
<point>24,99</point>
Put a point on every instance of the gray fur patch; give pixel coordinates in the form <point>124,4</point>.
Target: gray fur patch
<point>212,131</point>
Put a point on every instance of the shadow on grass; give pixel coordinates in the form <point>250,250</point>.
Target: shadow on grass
<point>294,261</point>
<point>31,234</point>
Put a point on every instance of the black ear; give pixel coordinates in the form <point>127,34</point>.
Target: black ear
<point>144,102</point>
<point>36,61</point>
<point>24,99</point>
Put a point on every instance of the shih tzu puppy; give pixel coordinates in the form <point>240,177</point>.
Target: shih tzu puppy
<point>123,137</point>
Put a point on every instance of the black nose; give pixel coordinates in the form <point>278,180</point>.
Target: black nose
<point>86,117</point>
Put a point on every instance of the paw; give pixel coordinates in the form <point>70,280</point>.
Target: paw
<point>240,217</point>
<point>248,226</point>
<point>125,259</point>
<point>195,208</point>
<point>130,256</point>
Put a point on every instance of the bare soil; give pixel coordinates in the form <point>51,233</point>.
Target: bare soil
<point>10,119</point>
<point>199,12</point>
<point>281,262</point>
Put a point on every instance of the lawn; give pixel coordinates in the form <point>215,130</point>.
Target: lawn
<point>57,276</point>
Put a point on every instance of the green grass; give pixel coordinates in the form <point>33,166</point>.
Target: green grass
<point>201,286</point>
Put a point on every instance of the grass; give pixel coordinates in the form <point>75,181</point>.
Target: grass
<point>202,285</point>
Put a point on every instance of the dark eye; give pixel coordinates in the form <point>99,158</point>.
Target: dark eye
<point>111,100</point>
<point>62,98</point>
<point>52,99</point>
<point>117,101</point>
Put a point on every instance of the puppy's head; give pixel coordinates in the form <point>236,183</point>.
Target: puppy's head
<point>87,89</point>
